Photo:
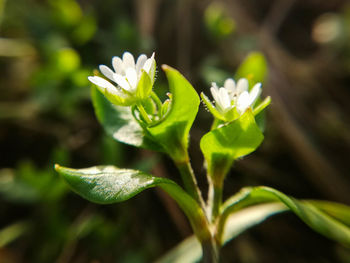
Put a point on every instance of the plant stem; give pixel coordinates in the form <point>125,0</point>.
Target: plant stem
<point>143,113</point>
<point>210,251</point>
<point>190,182</point>
<point>214,198</point>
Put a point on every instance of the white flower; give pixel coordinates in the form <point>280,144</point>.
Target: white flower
<point>221,97</point>
<point>126,75</point>
<point>234,95</point>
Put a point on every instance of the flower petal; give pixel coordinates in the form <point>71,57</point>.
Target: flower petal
<point>230,85</point>
<point>242,85</point>
<point>149,64</point>
<point>243,102</point>
<point>224,98</point>
<point>214,91</point>
<point>128,60</point>
<point>118,65</point>
<point>106,71</point>
<point>122,82</point>
<point>254,93</point>
<point>131,77</point>
<point>140,63</point>
<point>101,82</point>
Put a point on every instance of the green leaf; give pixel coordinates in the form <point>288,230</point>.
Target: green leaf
<point>109,184</point>
<point>173,131</point>
<point>190,249</point>
<point>254,68</point>
<point>120,124</point>
<point>315,218</point>
<point>339,211</point>
<point>223,145</point>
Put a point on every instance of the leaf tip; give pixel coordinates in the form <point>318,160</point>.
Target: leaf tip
<point>165,67</point>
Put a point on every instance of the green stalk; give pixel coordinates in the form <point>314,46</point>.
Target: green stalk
<point>210,247</point>
<point>143,113</point>
<point>210,252</point>
<point>214,198</point>
<point>190,182</point>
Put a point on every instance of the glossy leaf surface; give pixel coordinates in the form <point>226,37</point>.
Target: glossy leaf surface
<point>109,184</point>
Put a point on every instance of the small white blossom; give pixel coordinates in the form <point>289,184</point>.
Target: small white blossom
<point>126,74</point>
<point>221,97</point>
<point>234,95</point>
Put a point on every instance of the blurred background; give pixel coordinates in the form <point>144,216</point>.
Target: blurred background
<point>49,47</point>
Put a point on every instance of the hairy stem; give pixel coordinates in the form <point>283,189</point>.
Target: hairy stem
<point>214,199</point>
<point>190,182</point>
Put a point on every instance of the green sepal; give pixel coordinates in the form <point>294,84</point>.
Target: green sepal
<point>211,107</point>
<point>119,123</point>
<point>172,132</point>
<point>228,116</point>
<point>109,184</point>
<point>261,106</point>
<point>144,86</point>
<point>234,140</point>
<point>115,99</point>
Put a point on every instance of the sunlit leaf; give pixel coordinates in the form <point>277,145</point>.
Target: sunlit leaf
<point>109,184</point>
<point>223,145</point>
<point>172,133</point>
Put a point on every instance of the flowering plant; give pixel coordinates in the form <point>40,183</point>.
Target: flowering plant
<point>132,113</point>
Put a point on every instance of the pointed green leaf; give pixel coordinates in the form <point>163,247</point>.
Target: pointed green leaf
<point>318,220</point>
<point>109,184</point>
<point>120,124</point>
<point>223,145</point>
<point>244,218</point>
<point>173,131</point>
<point>339,211</point>
<point>254,68</point>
